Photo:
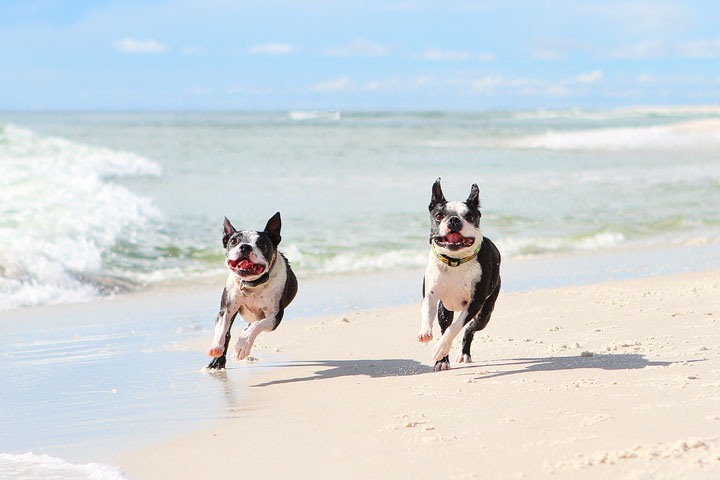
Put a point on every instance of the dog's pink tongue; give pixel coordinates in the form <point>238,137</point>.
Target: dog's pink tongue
<point>246,265</point>
<point>454,237</point>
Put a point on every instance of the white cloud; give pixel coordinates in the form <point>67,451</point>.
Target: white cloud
<point>645,78</point>
<point>591,77</point>
<point>374,85</point>
<point>492,82</point>
<point>700,49</point>
<point>640,51</point>
<point>271,49</point>
<point>650,50</point>
<point>357,48</point>
<point>488,83</point>
<point>131,45</point>
<point>558,48</point>
<point>332,86</point>
<point>440,55</point>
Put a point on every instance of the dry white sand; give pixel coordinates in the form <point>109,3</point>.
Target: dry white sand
<point>615,380</point>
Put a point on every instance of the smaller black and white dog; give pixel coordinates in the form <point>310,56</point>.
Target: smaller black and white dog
<point>462,275</point>
<point>259,287</point>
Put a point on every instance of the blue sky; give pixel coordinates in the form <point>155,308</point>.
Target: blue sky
<point>363,55</point>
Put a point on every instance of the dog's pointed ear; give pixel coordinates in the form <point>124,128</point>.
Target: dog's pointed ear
<point>437,195</point>
<point>473,199</point>
<point>228,230</point>
<point>273,229</point>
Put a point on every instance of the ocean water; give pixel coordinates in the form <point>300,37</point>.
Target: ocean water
<point>93,204</point>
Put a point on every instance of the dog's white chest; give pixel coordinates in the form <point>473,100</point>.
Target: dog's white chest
<point>454,286</point>
<point>256,303</point>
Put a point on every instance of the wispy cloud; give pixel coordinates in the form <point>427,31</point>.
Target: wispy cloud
<point>700,49</point>
<point>558,48</point>
<point>341,83</point>
<point>492,82</point>
<point>440,55</point>
<point>656,49</point>
<point>131,45</point>
<point>590,77</point>
<point>498,83</point>
<point>272,49</point>
<point>638,51</point>
<point>357,48</point>
<point>544,53</point>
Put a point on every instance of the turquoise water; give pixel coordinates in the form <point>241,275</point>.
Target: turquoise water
<point>98,203</point>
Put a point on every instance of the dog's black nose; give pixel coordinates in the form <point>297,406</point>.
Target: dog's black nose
<point>245,248</point>
<point>454,224</point>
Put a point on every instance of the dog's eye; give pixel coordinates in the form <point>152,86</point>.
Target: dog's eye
<point>233,241</point>
<point>438,216</point>
<point>469,217</point>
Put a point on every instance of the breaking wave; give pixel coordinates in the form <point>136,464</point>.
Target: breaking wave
<point>60,211</point>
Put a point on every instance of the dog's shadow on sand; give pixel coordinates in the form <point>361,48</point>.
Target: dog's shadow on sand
<point>623,361</point>
<point>391,367</point>
<point>326,369</point>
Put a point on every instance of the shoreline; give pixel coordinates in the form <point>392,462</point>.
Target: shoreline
<point>348,291</point>
<point>137,357</point>
<point>608,359</point>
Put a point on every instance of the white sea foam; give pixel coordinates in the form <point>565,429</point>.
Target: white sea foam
<point>619,113</point>
<point>30,466</point>
<point>689,135</point>
<point>59,213</point>
<point>313,115</point>
<point>525,246</point>
<point>356,261</point>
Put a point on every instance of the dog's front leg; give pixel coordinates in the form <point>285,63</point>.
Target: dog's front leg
<point>442,347</point>
<point>221,338</point>
<point>248,336</point>
<point>429,314</point>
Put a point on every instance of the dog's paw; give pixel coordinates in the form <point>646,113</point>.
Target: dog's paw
<point>442,347</point>
<point>442,364</point>
<point>215,351</point>
<point>424,336</point>
<point>242,348</point>
<point>218,363</point>
<point>463,358</point>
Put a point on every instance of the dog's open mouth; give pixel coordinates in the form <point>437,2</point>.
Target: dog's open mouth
<point>244,266</point>
<point>454,241</point>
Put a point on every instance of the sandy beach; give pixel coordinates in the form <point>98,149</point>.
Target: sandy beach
<point>610,380</point>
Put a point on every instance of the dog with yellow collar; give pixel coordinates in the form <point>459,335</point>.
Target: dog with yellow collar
<point>462,275</point>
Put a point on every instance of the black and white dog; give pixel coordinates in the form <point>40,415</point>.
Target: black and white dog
<point>462,275</point>
<point>259,287</point>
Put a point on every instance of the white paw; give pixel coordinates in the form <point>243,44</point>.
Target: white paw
<point>242,348</point>
<point>215,351</point>
<point>463,358</point>
<point>442,347</point>
<point>441,366</point>
<point>425,335</point>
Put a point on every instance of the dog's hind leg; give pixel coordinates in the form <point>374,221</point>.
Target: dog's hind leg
<point>477,324</point>
<point>445,318</point>
<point>247,337</point>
